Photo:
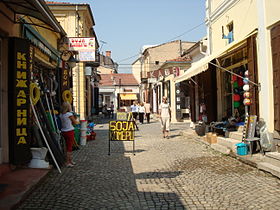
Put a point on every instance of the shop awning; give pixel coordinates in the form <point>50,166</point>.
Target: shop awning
<point>37,9</point>
<point>128,96</point>
<point>203,64</point>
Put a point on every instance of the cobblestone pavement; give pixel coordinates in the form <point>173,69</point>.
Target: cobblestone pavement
<point>175,173</point>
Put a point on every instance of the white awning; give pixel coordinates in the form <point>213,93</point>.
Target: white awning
<point>196,68</point>
<point>203,64</point>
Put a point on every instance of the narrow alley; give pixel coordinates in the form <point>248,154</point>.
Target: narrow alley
<point>174,173</point>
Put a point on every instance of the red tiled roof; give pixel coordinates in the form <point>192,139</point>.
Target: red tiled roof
<point>55,2</point>
<point>123,79</point>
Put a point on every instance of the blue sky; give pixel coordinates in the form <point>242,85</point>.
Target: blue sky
<point>127,25</point>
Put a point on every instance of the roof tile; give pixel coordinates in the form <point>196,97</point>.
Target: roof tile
<point>120,79</point>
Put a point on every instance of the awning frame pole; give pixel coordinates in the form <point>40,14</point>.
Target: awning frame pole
<point>220,67</point>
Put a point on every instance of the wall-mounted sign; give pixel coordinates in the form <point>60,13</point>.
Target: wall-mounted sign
<point>160,73</point>
<point>86,55</point>
<point>81,43</point>
<point>19,103</point>
<point>85,46</point>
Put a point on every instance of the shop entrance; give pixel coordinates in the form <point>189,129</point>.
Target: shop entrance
<point>232,85</point>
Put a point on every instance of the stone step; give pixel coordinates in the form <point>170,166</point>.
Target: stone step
<point>269,168</point>
<point>228,142</point>
<point>236,135</point>
<point>220,148</point>
<point>272,158</point>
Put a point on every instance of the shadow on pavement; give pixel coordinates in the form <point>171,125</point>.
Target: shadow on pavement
<point>102,181</point>
<point>152,175</point>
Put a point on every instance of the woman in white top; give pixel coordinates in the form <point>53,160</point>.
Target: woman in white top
<point>165,116</point>
<point>67,122</point>
<point>141,113</point>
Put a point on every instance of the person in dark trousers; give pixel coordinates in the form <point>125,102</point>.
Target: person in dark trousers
<point>147,111</point>
<point>141,113</point>
<point>112,107</point>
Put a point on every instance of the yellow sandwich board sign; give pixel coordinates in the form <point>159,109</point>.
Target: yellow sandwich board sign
<point>121,131</point>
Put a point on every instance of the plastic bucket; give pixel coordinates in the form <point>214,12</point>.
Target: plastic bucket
<point>83,140</point>
<point>241,149</point>
<point>83,124</point>
<point>83,131</point>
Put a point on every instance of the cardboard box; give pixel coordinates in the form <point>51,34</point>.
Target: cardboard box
<point>211,138</point>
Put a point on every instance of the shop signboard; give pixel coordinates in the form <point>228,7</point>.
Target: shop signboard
<point>85,46</point>
<point>121,131</point>
<point>65,83</point>
<point>164,72</point>
<point>19,102</point>
<point>122,116</point>
<point>178,101</point>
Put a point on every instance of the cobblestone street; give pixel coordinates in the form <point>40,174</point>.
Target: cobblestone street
<point>175,173</point>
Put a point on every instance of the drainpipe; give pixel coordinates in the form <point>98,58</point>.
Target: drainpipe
<point>208,23</point>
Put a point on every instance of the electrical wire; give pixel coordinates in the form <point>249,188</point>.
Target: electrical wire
<point>184,33</point>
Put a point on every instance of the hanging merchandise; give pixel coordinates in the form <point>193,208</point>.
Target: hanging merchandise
<point>236,104</point>
<point>246,73</point>
<point>236,97</point>
<point>67,96</point>
<point>246,80</point>
<point>240,82</point>
<point>247,101</point>
<point>234,78</point>
<point>246,95</point>
<point>246,87</point>
<point>235,84</point>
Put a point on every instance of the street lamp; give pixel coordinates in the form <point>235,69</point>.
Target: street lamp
<point>72,62</point>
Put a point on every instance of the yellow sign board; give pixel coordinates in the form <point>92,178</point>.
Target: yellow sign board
<point>121,130</point>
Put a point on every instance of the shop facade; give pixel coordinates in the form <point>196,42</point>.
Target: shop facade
<point>78,21</point>
<point>24,50</point>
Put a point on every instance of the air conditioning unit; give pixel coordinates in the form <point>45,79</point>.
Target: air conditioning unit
<point>88,71</point>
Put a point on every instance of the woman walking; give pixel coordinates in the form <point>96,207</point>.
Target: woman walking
<point>165,116</point>
<point>67,122</point>
<point>141,113</point>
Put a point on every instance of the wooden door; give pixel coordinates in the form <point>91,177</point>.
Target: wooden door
<point>275,47</point>
<point>253,74</point>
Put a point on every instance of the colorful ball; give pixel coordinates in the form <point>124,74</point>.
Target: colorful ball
<point>246,87</point>
<point>240,82</point>
<point>234,77</point>
<point>246,94</point>
<point>236,104</point>
<point>235,84</point>
<point>247,102</point>
<point>236,97</point>
<point>246,80</point>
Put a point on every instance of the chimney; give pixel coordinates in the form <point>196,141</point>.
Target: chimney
<point>108,54</point>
